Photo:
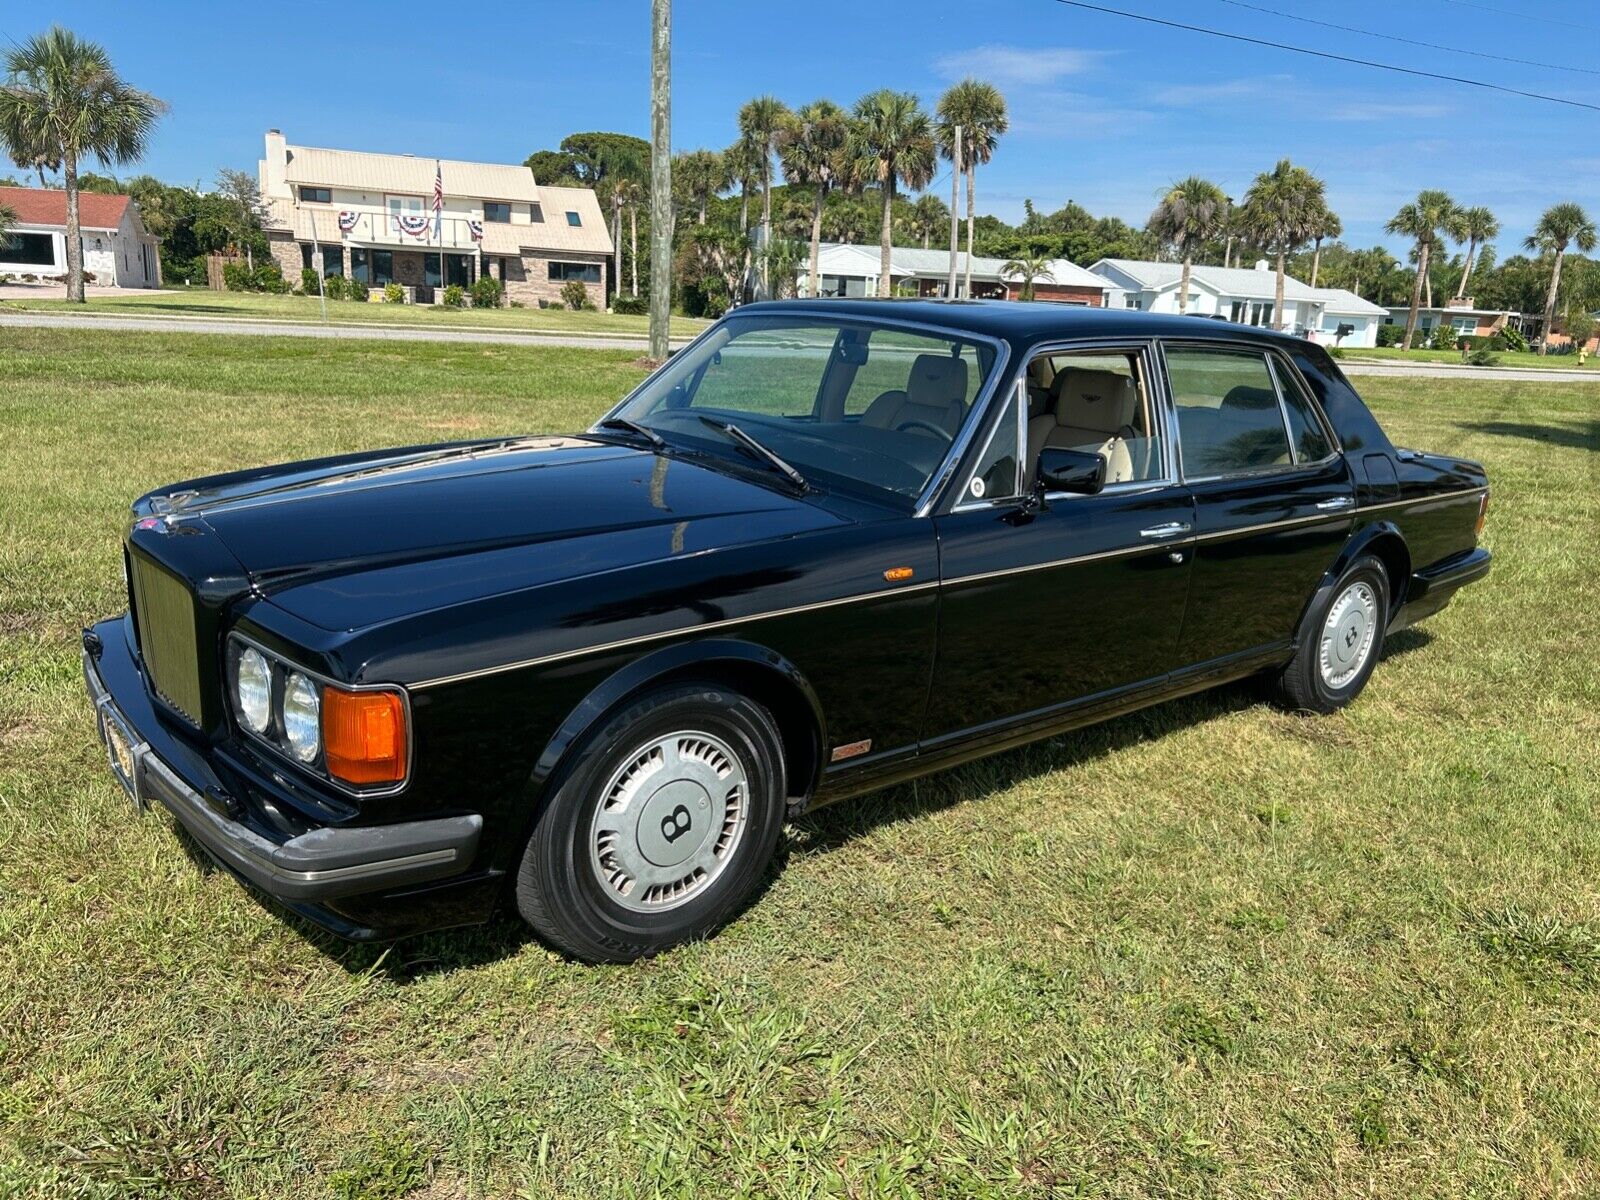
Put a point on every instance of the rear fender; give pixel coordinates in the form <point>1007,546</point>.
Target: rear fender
<point>1380,538</point>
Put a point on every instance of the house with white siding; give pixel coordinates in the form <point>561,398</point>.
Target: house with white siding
<point>118,251</point>
<point>1247,296</point>
<point>848,269</point>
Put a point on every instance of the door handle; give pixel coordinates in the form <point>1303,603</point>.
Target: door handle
<point>1335,504</point>
<point>1169,530</point>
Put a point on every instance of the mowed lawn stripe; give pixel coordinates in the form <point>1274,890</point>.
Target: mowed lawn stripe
<point>1210,948</point>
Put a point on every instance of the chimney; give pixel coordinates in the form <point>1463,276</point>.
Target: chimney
<point>1262,265</point>
<point>274,166</point>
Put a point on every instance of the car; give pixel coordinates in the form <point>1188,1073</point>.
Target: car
<point>828,546</point>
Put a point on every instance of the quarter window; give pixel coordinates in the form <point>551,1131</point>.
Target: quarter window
<point>1310,441</point>
<point>1229,418</point>
<point>997,477</point>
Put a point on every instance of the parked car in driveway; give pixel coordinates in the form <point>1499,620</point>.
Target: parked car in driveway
<point>829,546</point>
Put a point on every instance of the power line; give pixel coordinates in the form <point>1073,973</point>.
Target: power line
<point>1506,12</point>
<point>1344,58</point>
<point>1392,37</point>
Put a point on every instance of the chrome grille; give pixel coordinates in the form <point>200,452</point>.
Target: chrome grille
<point>164,617</point>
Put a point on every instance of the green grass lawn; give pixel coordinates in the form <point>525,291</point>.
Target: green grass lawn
<point>1508,358</point>
<point>201,302</point>
<point>1206,950</point>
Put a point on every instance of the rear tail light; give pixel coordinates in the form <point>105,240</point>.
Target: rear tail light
<point>1483,516</point>
<point>364,735</point>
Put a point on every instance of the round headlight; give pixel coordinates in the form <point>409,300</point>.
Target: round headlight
<point>252,688</point>
<point>302,717</point>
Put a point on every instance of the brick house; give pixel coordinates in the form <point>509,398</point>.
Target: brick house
<point>118,251</point>
<point>370,216</point>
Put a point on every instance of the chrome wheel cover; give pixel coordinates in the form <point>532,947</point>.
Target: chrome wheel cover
<point>1348,635</point>
<point>669,821</point>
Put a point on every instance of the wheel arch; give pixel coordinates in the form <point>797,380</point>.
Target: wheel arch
<point>1384,541</point>
<point>759,672</point>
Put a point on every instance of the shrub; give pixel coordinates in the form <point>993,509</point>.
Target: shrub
<point>267,276</point>
<point>574,295</point>
<point>333,287</point>
<point>455,296</point>
<point>487,292</point>
<point>1512,338</point>
<point>393,293</point>
<point>1445,337</point>
<point>1391,335</point>
<point>1482,357</point>
<point>89,277</point>
<point>308,281</point>
<point>4,278</point>
<point>630,306</point>
<point>554,306</point>
<point>355,289</point>
<point>236,277</point>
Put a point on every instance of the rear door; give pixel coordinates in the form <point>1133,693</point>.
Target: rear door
<point>1274,500</point>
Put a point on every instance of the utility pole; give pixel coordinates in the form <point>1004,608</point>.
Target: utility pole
<point>660,176</point>
<point>955,183</point>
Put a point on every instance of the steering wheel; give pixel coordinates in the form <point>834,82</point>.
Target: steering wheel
<point>913,423</point>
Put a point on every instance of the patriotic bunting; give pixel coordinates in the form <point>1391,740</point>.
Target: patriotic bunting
<point>347,221</point>
<point>413,225</point>
<point>475,228</point>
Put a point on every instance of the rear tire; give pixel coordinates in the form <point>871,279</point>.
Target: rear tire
<point>661,828</point>
<point>1340,642</point>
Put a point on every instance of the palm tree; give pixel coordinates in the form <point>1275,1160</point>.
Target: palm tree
<point>1193,211</point>
<point>630,192</point>
<point>743,161</point>
<point>1562,225</point>
<point>980,110</point>
<point>63,101</point>
<point>8,221</point>
<point>1030,266</point>
<point>701,174</point>
<point>928,216</point>
<point>1476,226</point>
<point>1280,212</point>
<point>1423,221</point>
<point>1325,224</point>
<point>759,123</point>
<point>811,149</point>
<point>892,140</point>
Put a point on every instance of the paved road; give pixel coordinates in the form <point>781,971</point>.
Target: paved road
<point>504,337</point>
<point>603,341</point>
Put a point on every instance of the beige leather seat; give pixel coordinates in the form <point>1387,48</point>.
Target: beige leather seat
<point>935,393</point>
<point>1094,411</point>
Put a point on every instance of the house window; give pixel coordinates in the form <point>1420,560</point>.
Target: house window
<point>316,195</point>
<point>456,270</point>
<point>574,219</point>
<point>1131,301</point>
<point>29,249</point>
<point>584,272</point>
<point>371,266</point>
<point>333,260</point>
<point>536,213</point>
<point>402,206</point>
<point>497,211</point>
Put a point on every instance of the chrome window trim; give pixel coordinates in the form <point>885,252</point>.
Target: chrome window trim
<point>1285,370</point>
<point>319,775</point>
<point>976,414</point>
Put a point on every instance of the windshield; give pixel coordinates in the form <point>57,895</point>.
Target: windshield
<point>848,404</point>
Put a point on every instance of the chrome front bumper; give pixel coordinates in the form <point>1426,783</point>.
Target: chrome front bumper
<point>325,863</point>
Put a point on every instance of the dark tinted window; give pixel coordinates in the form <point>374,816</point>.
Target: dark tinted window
<point>584,272</point>
<point>32,249</point>
<point>493,210</point>
<point>574,219</point>
<point>316,195</point>
<point>1310,442</point>
<point>1229,419</point>
<point>536,214</point>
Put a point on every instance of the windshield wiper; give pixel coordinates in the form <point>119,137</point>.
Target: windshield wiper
<point>644,431</point>
<point>769,457</point>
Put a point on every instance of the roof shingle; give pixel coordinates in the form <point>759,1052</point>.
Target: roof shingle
<point>48,206</point>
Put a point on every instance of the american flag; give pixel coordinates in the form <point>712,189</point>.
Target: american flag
<point>438,198</point>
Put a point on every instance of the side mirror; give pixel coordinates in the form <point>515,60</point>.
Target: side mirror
<point>1077,471</point>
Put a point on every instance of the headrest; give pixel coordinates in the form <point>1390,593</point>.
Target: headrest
<point>1244,398</point>
<point>1094,400</point>
<point>937,379</point>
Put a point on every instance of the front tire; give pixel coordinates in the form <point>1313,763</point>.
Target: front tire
<point>1340,642</point>
<point>661,829</point>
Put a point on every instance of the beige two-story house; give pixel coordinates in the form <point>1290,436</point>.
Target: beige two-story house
<point>371,217</point>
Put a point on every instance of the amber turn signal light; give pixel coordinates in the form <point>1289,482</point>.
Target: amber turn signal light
<point>898,574</point>
<point>364,735</point>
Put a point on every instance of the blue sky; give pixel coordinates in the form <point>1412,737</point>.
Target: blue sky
<point>1105,111</point>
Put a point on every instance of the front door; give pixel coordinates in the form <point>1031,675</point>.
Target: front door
<point>1083,599</point>
<point>1274,499</point>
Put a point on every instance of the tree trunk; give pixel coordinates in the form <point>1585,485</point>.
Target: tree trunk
<point>1277,295</point>
<point>885,284</point>
<point>703,199</point>
<point>1549,301</point>
<point>766,224</point>
<point>69,165</point>
<point>660,176</point>
<point>972,170</point>
<point>1227,252</point>
<point>1416,295</point>
<point>1429,277</point>
<point>1466,269</point>
<point>814,287</point>
<point>744,206</point>
<point>955,217</point>
<point>1316,262</point>
<point>1183,288</point>
<point>616,245</point>
<point>633,245</point>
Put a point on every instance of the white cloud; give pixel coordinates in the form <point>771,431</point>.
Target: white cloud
<point>1371,110</point>
<point>1200,94</point>
<point>1018,64</point>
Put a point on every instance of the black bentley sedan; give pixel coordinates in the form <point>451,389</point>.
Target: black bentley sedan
<point>826,547</point>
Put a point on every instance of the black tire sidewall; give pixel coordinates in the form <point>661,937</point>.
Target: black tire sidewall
<point>1370,570</point>
<point>582,916</point>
